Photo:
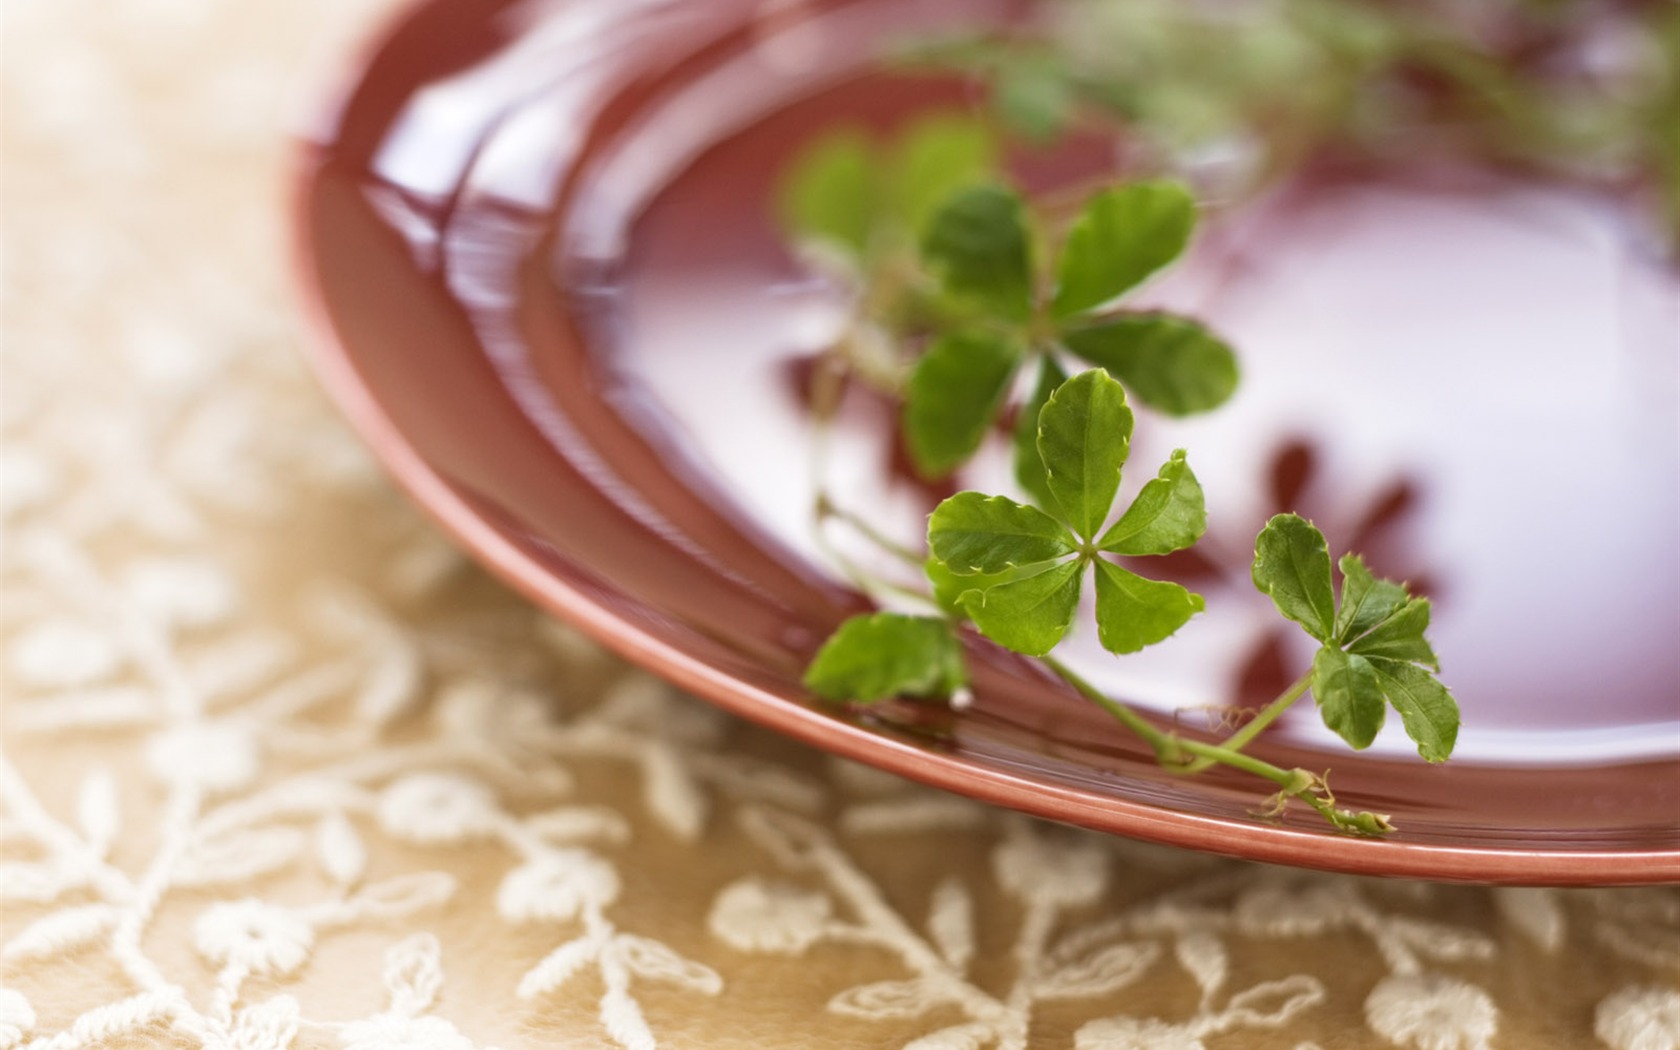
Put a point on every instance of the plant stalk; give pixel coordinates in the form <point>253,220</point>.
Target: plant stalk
<point>1170,749</point>
<point>1269,714</point>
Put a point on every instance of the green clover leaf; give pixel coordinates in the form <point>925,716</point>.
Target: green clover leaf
<point>955,390</point>
<point>1029,615</point>
<point>1133,612</point>
<point>1168,515</point>
<point>828,194</point>
<point>1427,709</point>
<point>1034,98</point>
<point>1373,649</point>
<point>1171,363</point>
<point>1084,436</point>
<point>1123,235</point>
<point>880,655</point>
<point>1025,568</point>
<point>991,310</point>
<point>977,243</point>
<point>1349,696</point>
<point>1399,636</point>
<point>1366,600</point>
<point>853,193</point>
<point>933,158</point>
<point>975,533</point>
<point>1292,567</point>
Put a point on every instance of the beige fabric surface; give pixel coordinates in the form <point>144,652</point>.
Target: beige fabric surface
<point>281,769</point>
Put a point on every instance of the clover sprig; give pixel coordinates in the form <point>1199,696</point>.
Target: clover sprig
<point>1373,654</point>
<point>1016,571</point>
<point>964,281</point>
<point>967,302</point>
<point>981,245</point>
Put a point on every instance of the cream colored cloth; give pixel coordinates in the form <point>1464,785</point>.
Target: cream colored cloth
<point>282,770</point>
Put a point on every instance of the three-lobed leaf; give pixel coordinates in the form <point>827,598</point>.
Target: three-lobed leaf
<point>975,533</point>
<point>1084,435</point>
<point>1366,600</point>
<point>1029,615</point>
<point>949,587</point>
<point>1168,515</point>
<point>1349,697</point>
<point>875,656</point>
<point>978,244</point>
<point>1427,709</point>
<point>1292,567</point>
<point>1122,236</point>
<point>1021,590</point>
<point>954,391</point>
<point>1133,612</point>
<point>1374,650</point>
<point>1168,362</point>
<point>1399,636</point>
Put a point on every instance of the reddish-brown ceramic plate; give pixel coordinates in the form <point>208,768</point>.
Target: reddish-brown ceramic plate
<point>535,244</point>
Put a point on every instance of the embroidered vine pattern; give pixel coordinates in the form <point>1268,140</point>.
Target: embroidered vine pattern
<point>221,831</point>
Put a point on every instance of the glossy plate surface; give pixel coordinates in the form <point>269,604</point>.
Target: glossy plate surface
<point>535,244</point>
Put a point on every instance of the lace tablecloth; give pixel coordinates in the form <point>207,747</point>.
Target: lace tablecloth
<point>282,770</point>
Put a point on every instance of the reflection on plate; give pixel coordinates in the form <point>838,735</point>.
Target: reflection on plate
<point>548,291</point>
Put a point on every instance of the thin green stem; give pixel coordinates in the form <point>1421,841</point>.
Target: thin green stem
<point>868,582</point>
<point>1293,782</point>
<point>827,508</point>
<point>1168,748</point>
<point>1268,714</point>
<point>1213,754</point>
<point>910,593</point>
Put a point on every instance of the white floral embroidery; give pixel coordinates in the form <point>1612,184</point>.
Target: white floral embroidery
<point>1536,911</point>
<point>339,850</point>
<point>63,652</point>
<point>1642,927</point>
<point>1126,1033</point>
<point>434,809</point>
<point>269,1025</point>
<point>1089,962</point>
<point>217,757</point>
<point>1277,910</point>
<point>412,976</point>
<point>27,480</point>
<point>17,1017</point>
<point>1640,1019</point>
<point>1431,1012</point>
<point>1063,869</point>
<point>753,916</point>
<point>185,593</point>
<point>557,885</point>
<point>262,938</point>
<point>397,1032</point>
<point>61,931</point>
<point>756,915</point>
